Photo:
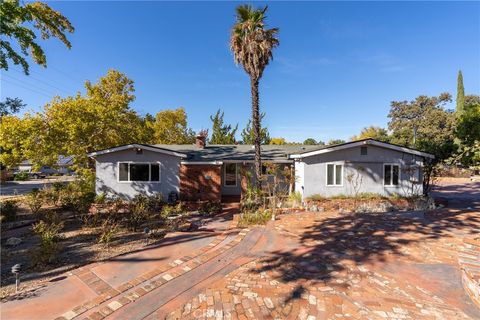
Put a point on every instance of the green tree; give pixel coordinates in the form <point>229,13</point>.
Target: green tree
<point>310,141</point>
<point>171,127</point>
<point>252,46</point>
<point>278,141</point>
<point>10,106</point>
<point>468,134</point>
<point>372,132</point>
<point>14,21</point>
<point>221,133</point>
<point>471,101</point>
<point>148,129</point>
<point>460,94</point>
<point>74,125</point>
<point>423,124</point>
<point>335,141</point>
<point>101,119</point>
<point>248,135</point>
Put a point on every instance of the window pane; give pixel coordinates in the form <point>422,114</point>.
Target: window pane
<point>387,175</point>
<point>230,174</point>
<point>338,174</point>
<point>139,172</point>
<point>395,175</point>
<point>123,172</point>
<point>363,151</point>
<point>155,172</point>
<point>330,174</point>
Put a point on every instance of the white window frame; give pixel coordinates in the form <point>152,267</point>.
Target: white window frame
<point>225,175</point>
<point>335,164</point>
<point>391,178</point>
<point>149,171</point>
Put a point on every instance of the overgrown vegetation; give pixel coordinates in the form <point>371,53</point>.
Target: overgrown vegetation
<point>209,208</point>
<point>259,216</point>
<point>49,231</point>
<point>34,201</point>
<point>21,176</point>
<point>108,230</point>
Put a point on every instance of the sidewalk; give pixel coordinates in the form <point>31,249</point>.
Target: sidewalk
<point>95,283</point>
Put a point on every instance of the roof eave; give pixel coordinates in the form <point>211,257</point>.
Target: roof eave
<point>359,143</point>
<point>139,146</point>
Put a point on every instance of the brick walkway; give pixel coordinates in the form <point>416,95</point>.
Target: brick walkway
<point>302,266</point>
<point>329,266</point>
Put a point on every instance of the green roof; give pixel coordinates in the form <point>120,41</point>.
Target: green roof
<point>240,152</point>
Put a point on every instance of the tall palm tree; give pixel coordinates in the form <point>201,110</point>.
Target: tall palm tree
<point>252,45</point>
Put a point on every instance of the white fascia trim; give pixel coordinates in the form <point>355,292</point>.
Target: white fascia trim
<point>360,143</point>
<point>253,161</point>
<point>202,162</point>
<point>137,146</point>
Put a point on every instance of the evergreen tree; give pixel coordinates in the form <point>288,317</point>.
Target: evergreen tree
<point>310,141</point>
<point>248,136</point>
<point>460,94</point>
<point>221,133</point>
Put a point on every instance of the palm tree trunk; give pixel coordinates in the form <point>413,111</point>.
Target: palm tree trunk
<point>256,130</point>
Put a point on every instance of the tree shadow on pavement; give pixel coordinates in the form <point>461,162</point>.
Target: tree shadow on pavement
<point>329,244</point>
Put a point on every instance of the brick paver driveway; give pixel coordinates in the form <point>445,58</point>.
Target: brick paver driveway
<point>364,266</point>
<point>325,265</point>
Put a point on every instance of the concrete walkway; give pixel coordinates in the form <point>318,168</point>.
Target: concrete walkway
<point>81,291</point>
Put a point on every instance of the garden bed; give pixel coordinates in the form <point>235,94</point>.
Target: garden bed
<point>369,204</point>
<point>79,246</point>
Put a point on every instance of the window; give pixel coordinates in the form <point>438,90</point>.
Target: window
<point>334,174</point>
<point>391,174</point>
<point>138,171</point>
<point>363,151</point>
<point>230,174</point>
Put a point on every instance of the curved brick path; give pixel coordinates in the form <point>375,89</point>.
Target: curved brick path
<point>82,290</point>
<point>330,266</point>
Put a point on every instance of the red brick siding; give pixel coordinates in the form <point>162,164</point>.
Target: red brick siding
<point>194,184</point>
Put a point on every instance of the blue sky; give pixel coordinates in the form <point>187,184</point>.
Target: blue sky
<point>338,66</point>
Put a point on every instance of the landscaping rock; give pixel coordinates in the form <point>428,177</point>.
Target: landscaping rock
<point>13,241</point>
<point>424,204</point>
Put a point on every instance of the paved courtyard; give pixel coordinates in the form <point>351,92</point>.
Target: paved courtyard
<point>302,266</point>
<point>328,266</point>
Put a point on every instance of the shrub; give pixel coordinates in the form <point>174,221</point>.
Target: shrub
<point>49,233</point>
<point>57,186</point>
<point>51,196</point>
<point>34,201</point>
<point>295,198</point>
<point>260,216</point>
<point>100,198</point>
<point>52,217</point>
<point>210,207</point>
<point>167,211</point>
<point>9,210</point>
<point>156,201</point>
<point>180,208</point>
<point>77,199</point>
<point>21,176</point>
<point>140,211</point>
<point>108,231</point>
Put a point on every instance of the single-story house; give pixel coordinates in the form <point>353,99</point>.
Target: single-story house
<point>63,166</point>
<point>210,172</point>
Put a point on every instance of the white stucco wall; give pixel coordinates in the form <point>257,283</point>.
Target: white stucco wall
<point>311,172</point>
<point>107,174</point>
